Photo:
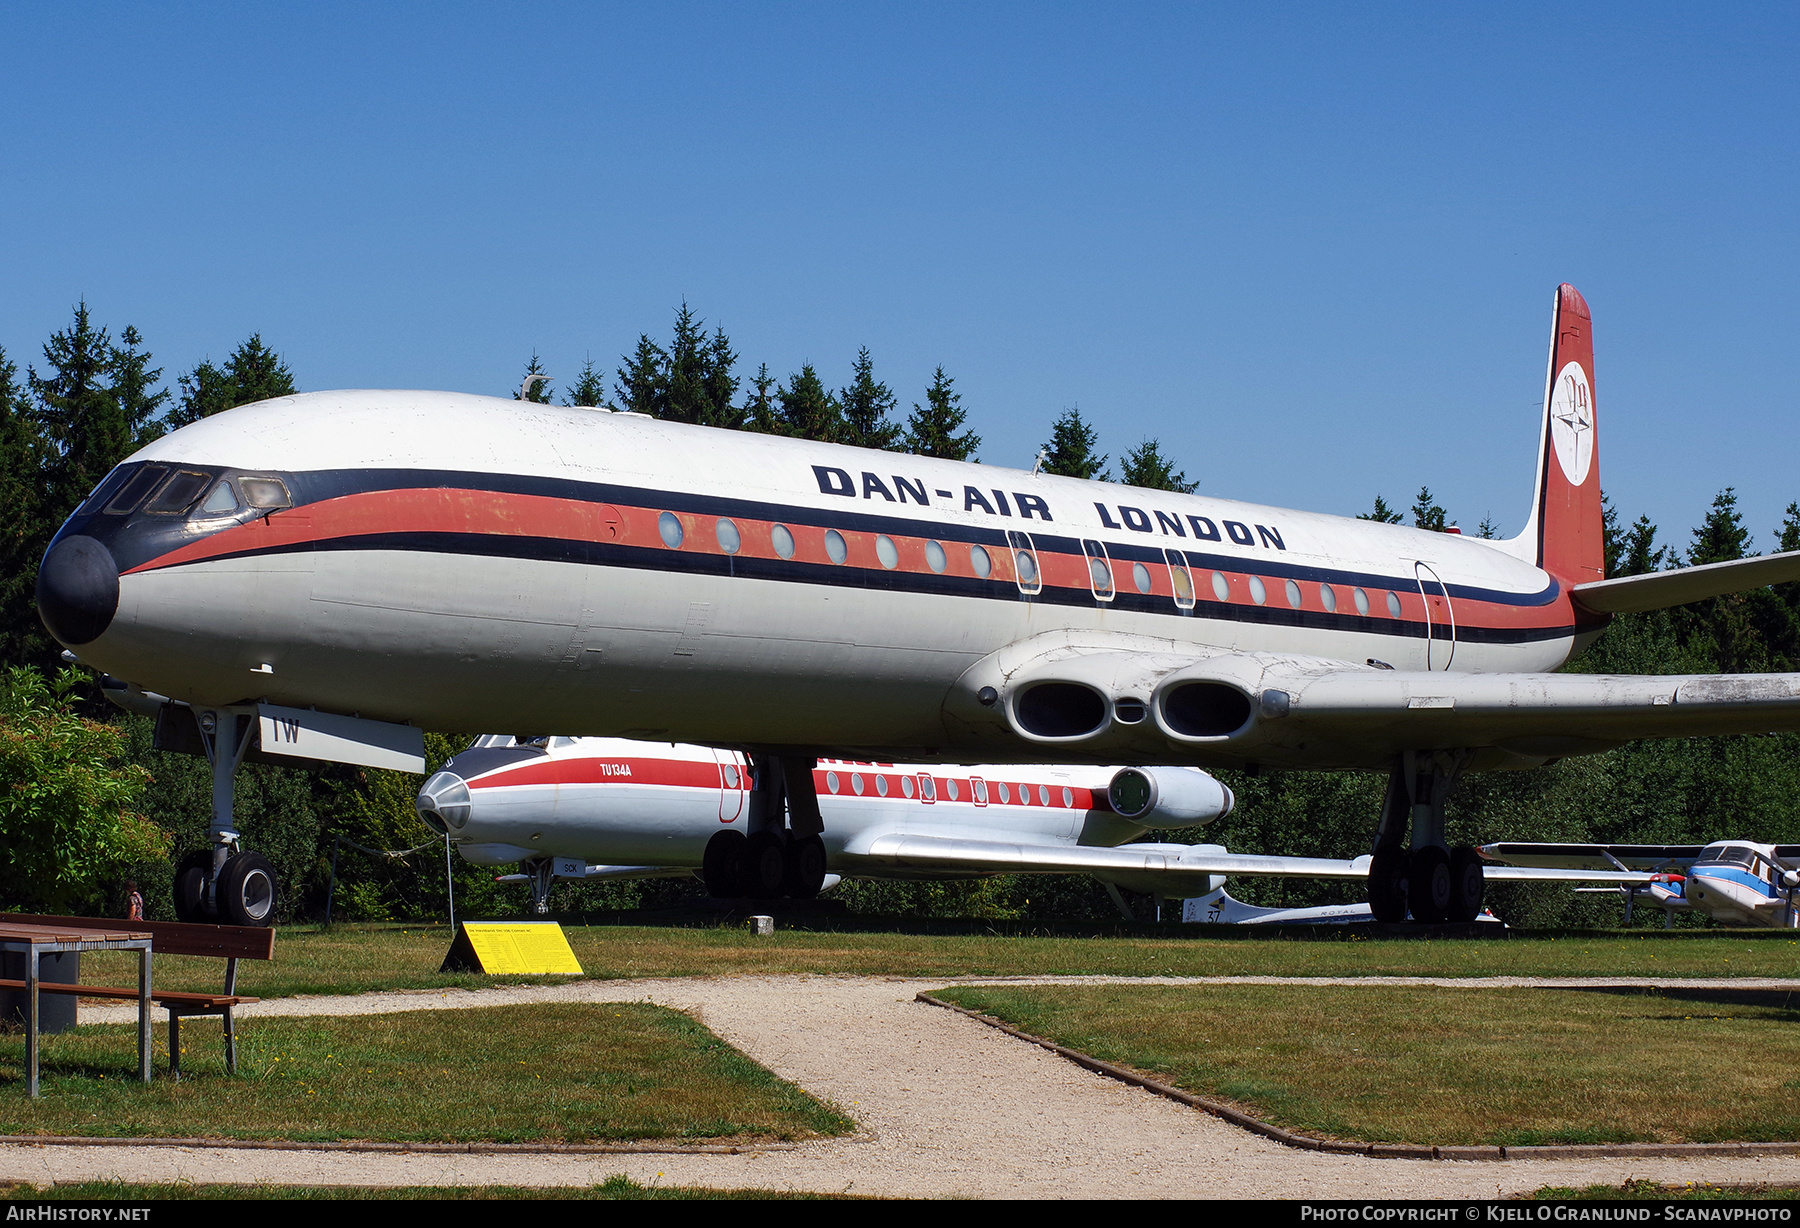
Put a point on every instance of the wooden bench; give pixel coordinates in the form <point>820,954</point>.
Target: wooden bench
<point>227,942</point>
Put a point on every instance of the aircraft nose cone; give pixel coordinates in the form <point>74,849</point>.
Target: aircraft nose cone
<point>78,590</point>
<point>444,802</point>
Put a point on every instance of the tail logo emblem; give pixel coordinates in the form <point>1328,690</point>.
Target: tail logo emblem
<point>1572,422</point>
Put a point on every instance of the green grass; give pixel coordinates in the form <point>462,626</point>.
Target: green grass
<point>1446,1066</point>
<point>1651,1191</point>
<point>501,1074</point>
<point>613,1189</point>
<point>354,959</point>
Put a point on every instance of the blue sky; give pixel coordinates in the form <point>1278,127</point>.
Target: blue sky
<point>1310,248</point>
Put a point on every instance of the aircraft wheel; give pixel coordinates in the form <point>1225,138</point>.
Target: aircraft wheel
<point>720,862</point>
<point>805,868</point>
<point>1467,883</point>
<point>1387,885</point>
<point>1428,886</point>
<point>764,866</point>
<point>190,886</point>
<point>247,890</point>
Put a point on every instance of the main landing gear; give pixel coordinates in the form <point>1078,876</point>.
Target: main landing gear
<point>1424,877</point>
<point>776,858</point>
<point>225,883</point>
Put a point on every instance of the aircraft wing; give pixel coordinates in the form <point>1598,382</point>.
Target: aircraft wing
<point>1171,862</point>
<point>1173,867</point>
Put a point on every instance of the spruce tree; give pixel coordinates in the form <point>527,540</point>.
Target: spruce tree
<point>1070,452</point>
<point>254,372</point>
<point>719,383</point>
<point>537,391</point>
<point>589,388</point>
<point>1381,513</point>
<point>866,404</point>
<point>134,387</point>
<point>643,385</point>
<point>931,430</point>
<point>79,413</point>
<point>1489,530</point>
<point>687,399</point>
<point>758,410</point>
<point>807,411</point>
<point>1427,514</point>
<point>1147,467</point>
<point>24,529</point>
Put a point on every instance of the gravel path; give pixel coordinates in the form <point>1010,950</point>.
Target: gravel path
<point>948,1107</point>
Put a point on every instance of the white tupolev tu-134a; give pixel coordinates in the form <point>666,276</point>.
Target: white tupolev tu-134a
<point>557,806</point>
<point>383,560</point>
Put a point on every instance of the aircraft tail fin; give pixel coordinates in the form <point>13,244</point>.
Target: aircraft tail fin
<point>1564,535</point>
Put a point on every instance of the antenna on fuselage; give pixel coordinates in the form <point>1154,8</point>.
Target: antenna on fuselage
<point>1042,456</point>
<point>525,388</point>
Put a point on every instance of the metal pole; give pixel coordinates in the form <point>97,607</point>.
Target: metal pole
<point>331,883</point>
<point>449,885</point>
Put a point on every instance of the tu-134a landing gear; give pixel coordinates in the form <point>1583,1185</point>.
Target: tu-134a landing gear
<point>1423,877</point>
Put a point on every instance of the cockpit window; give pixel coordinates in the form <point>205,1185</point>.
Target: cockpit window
<point>265,493</point>
<point>220,501</point>
<point>108,487</point>
<point>179,492</point>
<point>142,483</point>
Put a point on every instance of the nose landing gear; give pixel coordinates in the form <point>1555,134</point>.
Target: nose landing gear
<point>225,883</point>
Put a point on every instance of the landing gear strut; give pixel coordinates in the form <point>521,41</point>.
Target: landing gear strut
<point>783,854</point>
<point>224,882</point>
<point>1424,877</point>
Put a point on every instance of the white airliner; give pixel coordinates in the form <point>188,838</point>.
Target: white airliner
<point>614,808</point>
<point>1735,882</point>
<point>320,575</point>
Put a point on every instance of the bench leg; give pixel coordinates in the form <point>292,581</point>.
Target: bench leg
<point>174,1045</point>
<point>230,1043</point>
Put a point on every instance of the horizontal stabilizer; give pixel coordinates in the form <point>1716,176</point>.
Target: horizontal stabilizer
<point>1660,590</point>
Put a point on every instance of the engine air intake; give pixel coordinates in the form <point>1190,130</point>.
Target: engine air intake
<point>1060,710</point>
<point>1205,709</point>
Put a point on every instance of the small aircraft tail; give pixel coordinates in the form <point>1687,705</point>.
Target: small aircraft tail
<point>1564,535</point>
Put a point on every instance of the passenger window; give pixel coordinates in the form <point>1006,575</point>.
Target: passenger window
<point>835,547</point>
<point>669,526</point>
<point>1362,601</point>
<point>928,788</point>
<point>1327,597</point>
<point>881,785</point>
<point>1221,586</point>
<point>1393,604</point>
<point>1258,593</point>
<point>1140,576</point>
<point>1068,796</point>
<point>1005,793</point>
<point>886,551</point>
<point>906,785</point>
<point>856,783</point>
<point>782,540</point>
<point>1293,594</point>
<point>730,540</point>
<point>831,781</point>
<point>981,561</point>
<point>935,557</point>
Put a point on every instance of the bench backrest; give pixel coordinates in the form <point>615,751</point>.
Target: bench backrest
<point>175,937</point>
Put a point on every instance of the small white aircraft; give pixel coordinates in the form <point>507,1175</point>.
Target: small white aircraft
<point>319,576</point>
<point>614,808</point>
<point>1735,882</point>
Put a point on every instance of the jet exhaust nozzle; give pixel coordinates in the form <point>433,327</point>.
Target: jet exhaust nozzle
<point>1168,797</point>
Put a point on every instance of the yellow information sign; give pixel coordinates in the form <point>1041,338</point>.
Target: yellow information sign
<point>519,947</point>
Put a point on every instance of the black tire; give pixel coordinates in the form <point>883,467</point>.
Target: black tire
<point>719,864</point>
<point>1428,887</point>
<point>805,868</point>
<point>764,867</point>
<point>247,893</point>
<point>1387,885</point>
<point>190,886</point>
<point>1467,883</point>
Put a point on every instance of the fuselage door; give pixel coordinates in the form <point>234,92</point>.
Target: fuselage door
<point>1440,618</point>
<point>1100,574</point>
<point>1025,563</point>
<point>978,787</point>
<point>732,784</point>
